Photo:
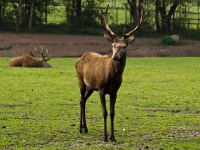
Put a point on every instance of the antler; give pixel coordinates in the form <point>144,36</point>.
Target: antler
<point>141,18</point>
<point>44,55</point>
<point>104,22</point>
<point>34,55</point>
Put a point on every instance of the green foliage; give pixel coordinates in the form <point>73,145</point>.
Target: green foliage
<point>192,33</point>
<point>91,31</point>
<point>9,14</point>
<point>87,18</point>
<point>61,18</point>
<point>157,107</point>
<point>167,40</point>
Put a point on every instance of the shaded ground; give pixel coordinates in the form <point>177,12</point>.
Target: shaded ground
<point>75,45</point>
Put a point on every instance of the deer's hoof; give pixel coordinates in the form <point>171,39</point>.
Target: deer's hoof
<point>105,138</point>
<point>86,130</point>
<point>80,130</point>
<point>112,138</point>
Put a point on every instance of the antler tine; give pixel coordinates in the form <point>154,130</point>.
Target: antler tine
<point>124,31</point>
<point>143,14</point>
<point>47,51</point>
<point>45,58</point>
<point>104,14</point>
<point>36,50</point>
<point>105,22</point>
<point>140,20</point>
<point>41,52</point>
<point>34,55</point>
<point>44,54</point>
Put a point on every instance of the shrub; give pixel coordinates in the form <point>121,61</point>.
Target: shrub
<point>167,40</point>
<point>91,31</point>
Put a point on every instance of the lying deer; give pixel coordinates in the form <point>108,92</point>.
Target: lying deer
<point>27,61</point>
<point>103,73</point>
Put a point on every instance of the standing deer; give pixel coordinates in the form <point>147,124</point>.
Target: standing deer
<point>103,73</point>
<point>27,61</point>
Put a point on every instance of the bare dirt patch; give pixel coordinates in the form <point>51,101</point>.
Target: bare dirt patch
<point>75,45</point>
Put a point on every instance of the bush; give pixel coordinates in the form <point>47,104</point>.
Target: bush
<point>167,40</point>
<point>91,31</point>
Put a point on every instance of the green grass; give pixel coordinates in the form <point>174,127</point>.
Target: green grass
<point>57,16</point>
<point>157,107</point>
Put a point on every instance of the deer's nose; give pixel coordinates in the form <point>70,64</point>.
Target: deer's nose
<point>116,56</point>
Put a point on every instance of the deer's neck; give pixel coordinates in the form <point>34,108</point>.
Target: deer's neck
<point>39,63</point>
<point>119,65</point>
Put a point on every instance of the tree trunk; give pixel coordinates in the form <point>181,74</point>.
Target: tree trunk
<point>157,16</point>
<point>1,18</point>
<point>170,14</point>
<point>31,14</point>
<point>77,7</point>
<point>163,13</point>
<point>26,10</point>
<point>19,14</point>
<point>134,14</point>
<point>2,10</point>
<point>46,11</point>
<point>165,18</point>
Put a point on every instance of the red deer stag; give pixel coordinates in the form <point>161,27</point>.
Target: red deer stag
<point>27,61</point>
<point>103,73</point>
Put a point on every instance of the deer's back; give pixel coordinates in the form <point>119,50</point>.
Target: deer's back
<point>98,71</point>
<point>30,62</point>
<point>25,61</point>
<point>17,61</point>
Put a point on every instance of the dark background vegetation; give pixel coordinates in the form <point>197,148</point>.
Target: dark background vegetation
<point>83,16</point>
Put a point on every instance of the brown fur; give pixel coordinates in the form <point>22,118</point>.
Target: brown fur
<point>103,73</point>
<point>27,61</point>
<point>100,70</point>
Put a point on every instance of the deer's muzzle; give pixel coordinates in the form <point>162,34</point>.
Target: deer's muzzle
<point>116,56</point>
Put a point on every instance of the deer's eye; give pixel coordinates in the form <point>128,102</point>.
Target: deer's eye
<point>124,47</point>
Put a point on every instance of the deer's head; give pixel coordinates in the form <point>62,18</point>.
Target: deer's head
<point>119,45</point>
<point>43,56</point>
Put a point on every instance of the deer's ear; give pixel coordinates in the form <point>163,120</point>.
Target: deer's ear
<point>130,39</point>
<point>108,37</point>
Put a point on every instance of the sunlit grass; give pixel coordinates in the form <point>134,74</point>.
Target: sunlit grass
<point>57,16</point>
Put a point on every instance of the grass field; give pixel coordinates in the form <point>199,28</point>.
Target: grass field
<point>157,107</point>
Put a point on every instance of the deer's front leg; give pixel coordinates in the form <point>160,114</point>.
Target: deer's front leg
<point>113,97</point>
<point>105,113</point>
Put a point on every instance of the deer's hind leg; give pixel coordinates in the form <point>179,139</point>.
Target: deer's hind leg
<point>85,94</point>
